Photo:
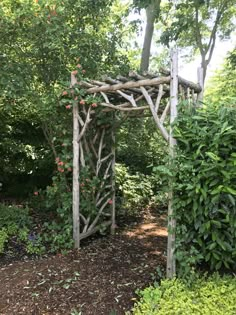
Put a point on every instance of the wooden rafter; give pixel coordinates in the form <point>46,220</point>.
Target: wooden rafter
<point>127,85</point>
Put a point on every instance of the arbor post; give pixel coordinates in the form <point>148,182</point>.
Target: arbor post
<point>113,213</point>
<point>76,192</point>
<point>171,264</point>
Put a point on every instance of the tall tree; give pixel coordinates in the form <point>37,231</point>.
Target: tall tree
<point>197,24</point>
<point>152,8</point>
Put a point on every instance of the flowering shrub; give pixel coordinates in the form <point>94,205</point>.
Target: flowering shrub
<point>58,196</point>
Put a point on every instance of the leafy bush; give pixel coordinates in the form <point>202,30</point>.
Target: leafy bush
<point>134,190</point>
<point>140,145</point>
<point>3,239</point>
<point>56,231</point>
<point>16,224</point>
<point>14,215</point>
<point>221,87</point>
<point>204,180</point>
<point>213,296</point>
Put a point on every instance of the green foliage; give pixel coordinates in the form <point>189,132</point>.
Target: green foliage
<point>140,145</point>
<point>25,155</point>
<point>191,24</point>
<point>14,215</point>
<point>3,239</point>
<point>56,204</point>
<point>134,191</point>
<point>35,63</point>
<point>203,176</point>
<point>213,296</point>
<point>16,224</point>
<point>221,87</point>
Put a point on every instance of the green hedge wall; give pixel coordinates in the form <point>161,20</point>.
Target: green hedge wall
<point>204,183</point>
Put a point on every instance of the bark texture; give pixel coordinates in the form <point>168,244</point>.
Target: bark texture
<point>152,14</point>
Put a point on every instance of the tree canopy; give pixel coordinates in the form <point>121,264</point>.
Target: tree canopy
<point>197,24</point>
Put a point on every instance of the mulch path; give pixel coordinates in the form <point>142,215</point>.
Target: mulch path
<point>99,279</point>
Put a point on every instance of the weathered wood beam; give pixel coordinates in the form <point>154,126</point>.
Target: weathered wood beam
<point>130,98</point>
<point>113,184</point>
<point>109,80</point>
<point>94,230</point>
<point>130,84</point>
<point>124,109</point>
<point>165,112</point>
<point>159,96</point>
<point>87,121</point>
<point>75,192</point>
<point>196,87</point>
<point>171,261</point>
<point>154,114</point>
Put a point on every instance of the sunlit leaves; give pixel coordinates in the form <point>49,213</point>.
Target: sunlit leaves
<point>221,88</point>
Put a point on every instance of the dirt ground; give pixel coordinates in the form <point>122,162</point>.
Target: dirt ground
<point>99,279</point>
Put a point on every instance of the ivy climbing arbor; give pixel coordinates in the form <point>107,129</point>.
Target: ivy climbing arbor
<point>95,109</point>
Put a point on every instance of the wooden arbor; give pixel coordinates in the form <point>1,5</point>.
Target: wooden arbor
<point>94,141</point>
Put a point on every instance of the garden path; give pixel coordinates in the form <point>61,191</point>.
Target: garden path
<point>99,279</point>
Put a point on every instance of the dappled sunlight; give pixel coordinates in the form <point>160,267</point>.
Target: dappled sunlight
<point>152,235</point>
<point>148,229</point>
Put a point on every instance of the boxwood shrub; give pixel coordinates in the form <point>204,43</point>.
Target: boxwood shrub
<point>213,296</point>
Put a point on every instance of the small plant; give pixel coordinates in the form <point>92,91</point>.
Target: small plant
<point>158,274</point>
<point>3,239</point>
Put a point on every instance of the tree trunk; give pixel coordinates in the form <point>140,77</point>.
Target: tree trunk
<point>152,13</point>
<point>204,65</point>
<point>200,75</point>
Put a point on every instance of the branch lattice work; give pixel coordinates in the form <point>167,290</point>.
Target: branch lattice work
<point>94,140</point>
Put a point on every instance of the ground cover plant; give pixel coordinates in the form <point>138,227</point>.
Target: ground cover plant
<point>18,231</point>
<point>214,295</point>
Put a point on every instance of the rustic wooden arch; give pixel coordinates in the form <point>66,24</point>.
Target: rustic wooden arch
<point>134,95</point>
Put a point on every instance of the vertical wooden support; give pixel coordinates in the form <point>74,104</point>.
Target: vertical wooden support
<point>171,266</point>
<point>76,192</point>
<point>201,83</point>
<point>113,213</point>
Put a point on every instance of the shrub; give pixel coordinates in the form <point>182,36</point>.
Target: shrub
<point>56,231</point>
<point>14,215</point>
<point>213,296</point>
<point>3,239</point>
<point>16,224</point>
<point>134,190</point>
<point>203,175</point>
